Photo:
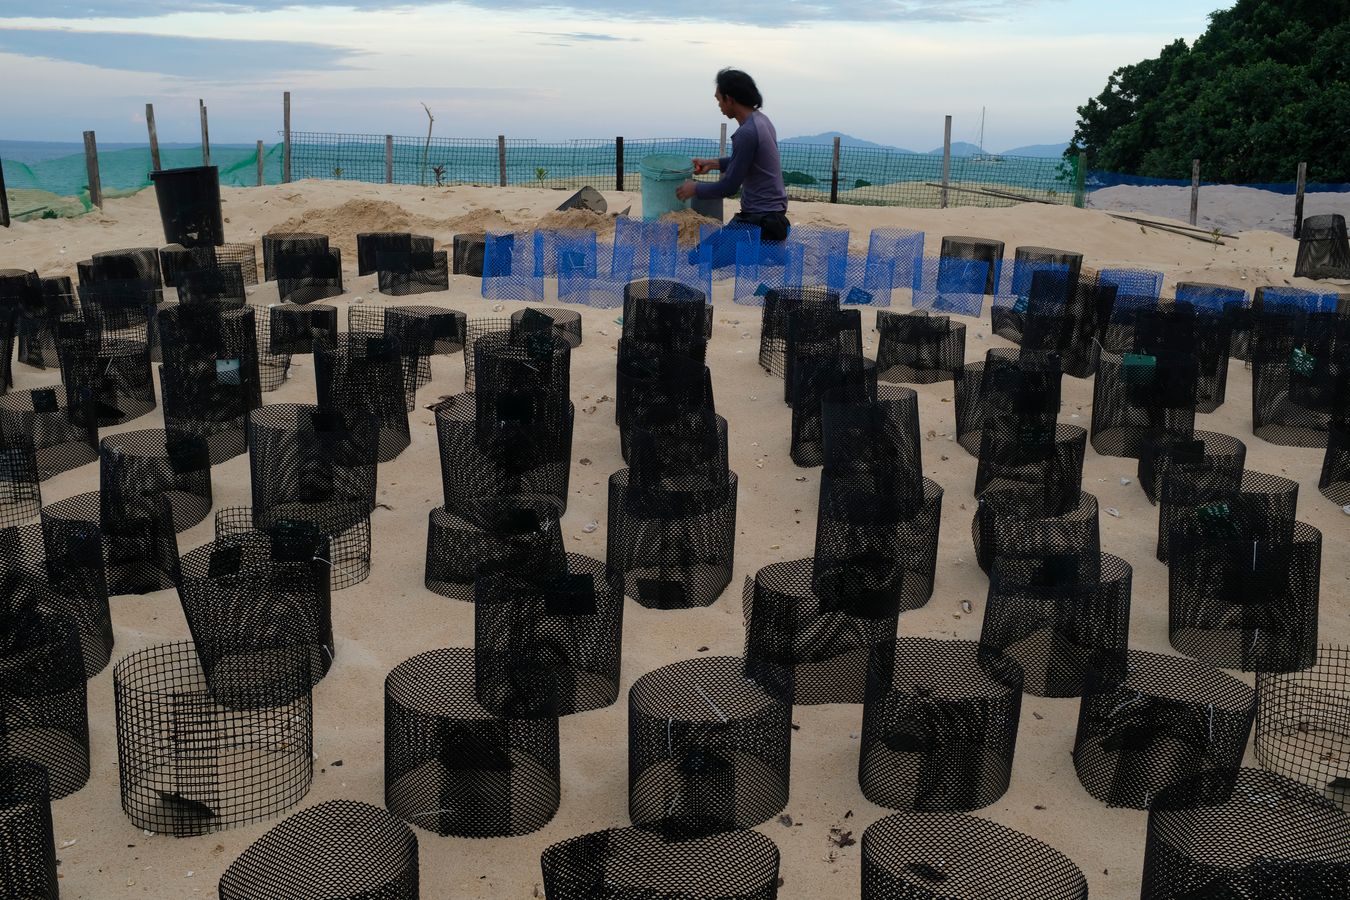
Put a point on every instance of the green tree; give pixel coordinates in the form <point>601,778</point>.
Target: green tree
<point>1265,87</point>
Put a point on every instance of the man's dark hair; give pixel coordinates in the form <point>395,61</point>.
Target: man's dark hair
<point>740,87</point>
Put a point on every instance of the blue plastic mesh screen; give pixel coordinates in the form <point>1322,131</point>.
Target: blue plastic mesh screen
<point>722,243</point>
<point>949,285</point>
<point>1134,287</point>
<point>899,250</point>
<point>508,268</point>
<point>761,268</point>
<point>819,244</point>
<point>1211,296</point>
<point>1297,299</point>
<point>857,284</point>
<point>1019,286</point>
<point>556,250</point>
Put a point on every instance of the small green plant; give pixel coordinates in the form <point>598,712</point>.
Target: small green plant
<point>50,214</point>
<point>541,173</point>
<point>798,178</point>
<point>337,171</point>
<point>439,172</point>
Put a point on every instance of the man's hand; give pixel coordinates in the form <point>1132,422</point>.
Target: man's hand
<point>704,166</point>
<point>685,191</point>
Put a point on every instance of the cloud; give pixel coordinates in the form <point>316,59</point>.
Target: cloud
<point>186,57</point>
<point>752,12</point>
<point>565,38</point>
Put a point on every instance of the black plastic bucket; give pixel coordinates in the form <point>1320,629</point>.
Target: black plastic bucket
<point>189,205</point>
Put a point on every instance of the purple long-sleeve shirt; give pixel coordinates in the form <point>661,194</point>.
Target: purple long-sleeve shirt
<point>753,167</point>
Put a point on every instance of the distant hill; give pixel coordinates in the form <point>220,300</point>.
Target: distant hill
<point>959,148</point>
<point>845,140</point>
<point>1052,151</point>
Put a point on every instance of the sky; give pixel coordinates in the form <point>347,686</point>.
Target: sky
<point>881,70</point>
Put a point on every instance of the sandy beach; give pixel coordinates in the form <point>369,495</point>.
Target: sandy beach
<point>391,616</point>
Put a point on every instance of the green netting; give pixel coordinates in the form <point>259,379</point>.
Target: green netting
<point>866,175</point>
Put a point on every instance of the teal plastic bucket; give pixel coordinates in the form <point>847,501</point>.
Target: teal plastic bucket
<point>661,174</point>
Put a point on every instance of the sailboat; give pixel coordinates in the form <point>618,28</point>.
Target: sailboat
<point>982,157</point>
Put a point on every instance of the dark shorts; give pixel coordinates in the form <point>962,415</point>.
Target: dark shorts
<point>772,226</point>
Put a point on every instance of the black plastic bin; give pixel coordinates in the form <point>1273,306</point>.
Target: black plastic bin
<point>189,205</point>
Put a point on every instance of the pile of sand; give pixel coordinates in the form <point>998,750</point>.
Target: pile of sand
<point>688,222</point>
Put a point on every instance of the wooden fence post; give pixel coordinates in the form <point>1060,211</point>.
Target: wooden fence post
<point>388,159</point>
<point>1300,186</point>
<point>722,141</point>
<point>206,136</point>
<point>154,137</point>
<point>91,165</point>
<point>834,173</point>
<point>262,152</point>
<point>1080,181</point>
<point>286,138</point>
<point>1195,190</point>
<point>4,199</point>
<point>946,159</point>
<point>501,160</point>
<point>618,163</point>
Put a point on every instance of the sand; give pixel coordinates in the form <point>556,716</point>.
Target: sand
<point>1228,207</point>
<point>391,616</point>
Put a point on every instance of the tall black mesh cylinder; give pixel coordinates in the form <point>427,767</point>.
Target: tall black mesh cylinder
<point>825,641</point>
<point>566,322</point>
<point>1303,723</point>
<point>1264,837</point>
<point>1246,603</point>
<point>211,375</point>
<point>140,547</point>
<point>918,348</point>
<point>9,325</point>
<point>308,277</point>
<point>1323,249</point>
<point>939,726</point>
<point>1162,720</point>
<point>257,596</point>
<point>546,644</point>
<point>366,372</point>
<point>293,243</point>
<point>43,712</point>
<point>20,494</point>
<point>111,373</point>
<point>27,846</point>
<point>641,862</point>
<point>1300,376</point>
<point>175,258</point>
<point>773,328</point>
<point>878,435</point>
<point>513,536</point>
<point>63,437</point>
<point>1140,397</point>
<point>421,332</point>
<point>931,855</point>
<point>975,249</point>
<point>522,383</point>
<point>138,469</point>
<point>669,315</point>
<point>1007,383</point>
<point>1033,457</point>
<point>1334,482</point>
<point>190,762</point>
<point>709,744</point>
<point>348,538</point>
<point>1222,503</point>
<point>1184,328</point>
<point>222,287</point>
<point>404,273</point>
<point>651,382</point>
<point>1173,468</point>
<point>452,767</point>
<point>1058,622</point>
<point>1005,525</point>
<point>370,244</point>
<point>339,850</point>
<point>299,329</point>
<point>37,322</point>
<point>825,371</point>
<point>1062,315</point>
<point>133,264</point>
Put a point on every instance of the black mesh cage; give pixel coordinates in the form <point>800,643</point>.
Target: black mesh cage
<point>1263,836</point>
<point>176,258</point>
<point>483,464</point>
<point>297,330</point>
<point>1009,382</point>
<point>370,244</point>
<point>566,322</point>
<point>521,382</point>
<point>221,286</point>
<point>879,434</point>
<point>61,572</point>
<point>480,326</point>
<point>138,469</point>
<point>1303,723</point>
<point>1234,304</point>
<point>1184,328</point>
<point>816,332</point>
<point>190,762</point>
<point>452,767</point>
<point>347,535</point>
<point>43,713</point>
<point>1160,721</point>
<point>366,372</point>
<point>1138,398</point>
<point>289,243</point>
<point>1334,482</point>
<point>1058,622</point>
<point>420,331</point>
<point>37,322</point>
<point>821,374</point>
<point>27,846</point>
<point>1323,249</point>
<point>672,516</point>
<point>709,744</point>
<point>339,850</point>
<point>61,437</point>
<point>1245,602</point>
<point>1136,291</point>
<point>918,348</point>
<point>1300,376</point>
<point>673,316</point>
<point>773,329</point>
<point>1005,525</point>
<point>20,495</point>
<point>651,382</point>
<point>109,373</point>
<point>136,263</point>
<point>1226,504</point>
<point>139,552</point>
<point>932,855</point>
<point>876,543</point>
<point>939,726</point>
<point>1034,457</point>
<point>9,324</point>
<point>975,249</point>
<point>1174,469</point>
<point>641,862</point>
<point>1063,316</point>
<point>402,273</point>
<point>273,368</point>
<point>305,277</point>
<point>467,250</point>
<point>824,641</point>
<point>547,644</point>
<point>510,536</point>
<point>253,596</point>
<point>211,378</point>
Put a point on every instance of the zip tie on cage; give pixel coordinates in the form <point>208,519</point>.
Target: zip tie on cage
<point>1138,698</point>
<point>721,715</point>
<point>1211,723</point>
